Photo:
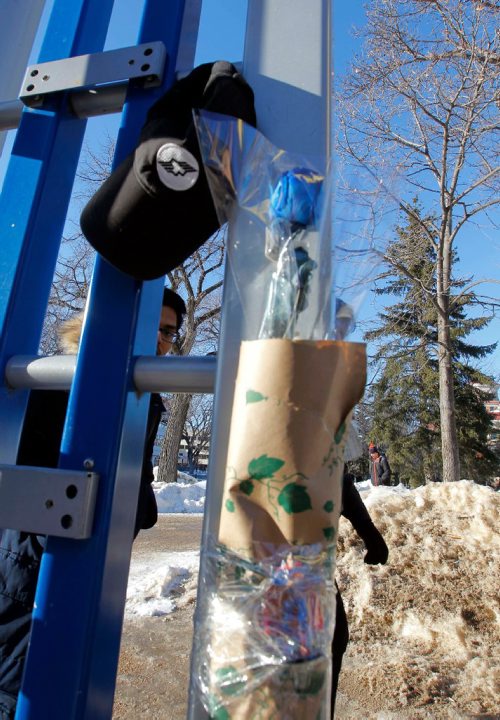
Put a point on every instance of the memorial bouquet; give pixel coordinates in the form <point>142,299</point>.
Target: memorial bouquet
<point>267,605</point>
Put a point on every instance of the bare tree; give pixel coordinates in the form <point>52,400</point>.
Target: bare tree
<point>197,429</point>
<point>199,281</point>
<point>69,288</point>
<point>76,258</point>
<point>422,101</point>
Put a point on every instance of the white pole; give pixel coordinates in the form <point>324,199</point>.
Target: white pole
<point>287,62</point>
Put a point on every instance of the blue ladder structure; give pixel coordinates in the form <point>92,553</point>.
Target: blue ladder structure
<point>82,584</point>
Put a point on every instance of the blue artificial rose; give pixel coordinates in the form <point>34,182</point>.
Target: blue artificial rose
<point>296,196</point>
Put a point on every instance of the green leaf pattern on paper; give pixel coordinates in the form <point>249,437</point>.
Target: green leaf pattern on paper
<point>286,493</point>
<point>340,433</point>
<point>264,467</point>
<point>247,487</point>
<point>229,680</point>
<point>216,710</point>
<point>329,533</point>
<point>331,459</point>
<point>220,714</point>
<point>294,498</point>
<point>253,396</point>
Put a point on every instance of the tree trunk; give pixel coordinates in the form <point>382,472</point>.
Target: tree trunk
<point>167,464</point>
<point>449,440</point>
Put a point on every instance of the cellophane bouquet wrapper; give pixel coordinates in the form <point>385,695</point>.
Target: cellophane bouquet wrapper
<point>266,603</point>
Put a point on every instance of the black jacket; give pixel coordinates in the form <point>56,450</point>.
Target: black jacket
<point>377,553</point>
<point>147,510</point>
<point>383,471</point>
<point>21,552</point>
<point>353,508</point>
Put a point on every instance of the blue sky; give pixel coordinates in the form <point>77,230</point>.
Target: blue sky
<point>221,36</point>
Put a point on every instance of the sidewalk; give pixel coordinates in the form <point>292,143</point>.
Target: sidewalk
<point>152,681</point>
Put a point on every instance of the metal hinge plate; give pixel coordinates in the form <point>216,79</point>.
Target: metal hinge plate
<point>47,501</point>
<point>146,61</point>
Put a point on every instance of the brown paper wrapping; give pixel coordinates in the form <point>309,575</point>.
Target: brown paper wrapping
<point>289,424</point>
<point>290,413</point>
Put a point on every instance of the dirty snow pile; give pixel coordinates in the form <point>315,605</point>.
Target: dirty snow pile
<point>162,583</point>
<point>425,628</point>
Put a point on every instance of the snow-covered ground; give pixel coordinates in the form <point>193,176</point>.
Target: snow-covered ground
<point>158,585</point>
<point>425,628</point>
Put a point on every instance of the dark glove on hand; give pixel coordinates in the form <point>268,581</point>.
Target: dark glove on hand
<point>377,552</point>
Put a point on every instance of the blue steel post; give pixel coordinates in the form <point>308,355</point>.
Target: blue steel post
<point>73,655</point>
<point>34,201</point>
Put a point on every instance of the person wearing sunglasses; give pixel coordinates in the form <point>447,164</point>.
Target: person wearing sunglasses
<point>171,318</point>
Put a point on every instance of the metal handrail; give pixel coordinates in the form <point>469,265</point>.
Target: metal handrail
<point>189,374</point>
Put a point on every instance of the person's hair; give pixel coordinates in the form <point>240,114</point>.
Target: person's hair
<point>69,334</point>
<point>171,299</point>
<point>70,330</point>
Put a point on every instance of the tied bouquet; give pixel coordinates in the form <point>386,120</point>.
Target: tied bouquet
<point>268,603</point>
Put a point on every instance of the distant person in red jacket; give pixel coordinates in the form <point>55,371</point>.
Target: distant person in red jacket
<point>381,471</point>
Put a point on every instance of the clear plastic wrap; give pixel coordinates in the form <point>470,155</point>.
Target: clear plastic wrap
<point>266,605</point>
<point>276,616</point>
<point>279,244</point>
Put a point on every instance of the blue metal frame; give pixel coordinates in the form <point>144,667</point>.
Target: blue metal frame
<point>71,667</point>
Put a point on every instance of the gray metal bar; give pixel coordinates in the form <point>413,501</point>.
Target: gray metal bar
<point>189,36</point>
<point>108,99</point>
<point>10,114</point>
<point>18,26</point>
<point>98,101</point>
<point>293,107</point>
<point>84,103</point>
<point>175,374</point>
<point>45,373</point>
<point>151,374</point>
<point>47,501</point>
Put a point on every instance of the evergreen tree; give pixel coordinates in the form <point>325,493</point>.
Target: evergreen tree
<point>405,397</point>
<point>420,103</point>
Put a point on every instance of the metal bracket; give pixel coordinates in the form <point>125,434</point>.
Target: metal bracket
<point>146,61</point>
<point>47,501</point>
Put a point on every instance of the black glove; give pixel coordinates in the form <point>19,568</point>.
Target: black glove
<point>377,551</point>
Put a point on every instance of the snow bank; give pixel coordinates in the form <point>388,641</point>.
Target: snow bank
<point>425,628</point>
<point>180,497</point>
